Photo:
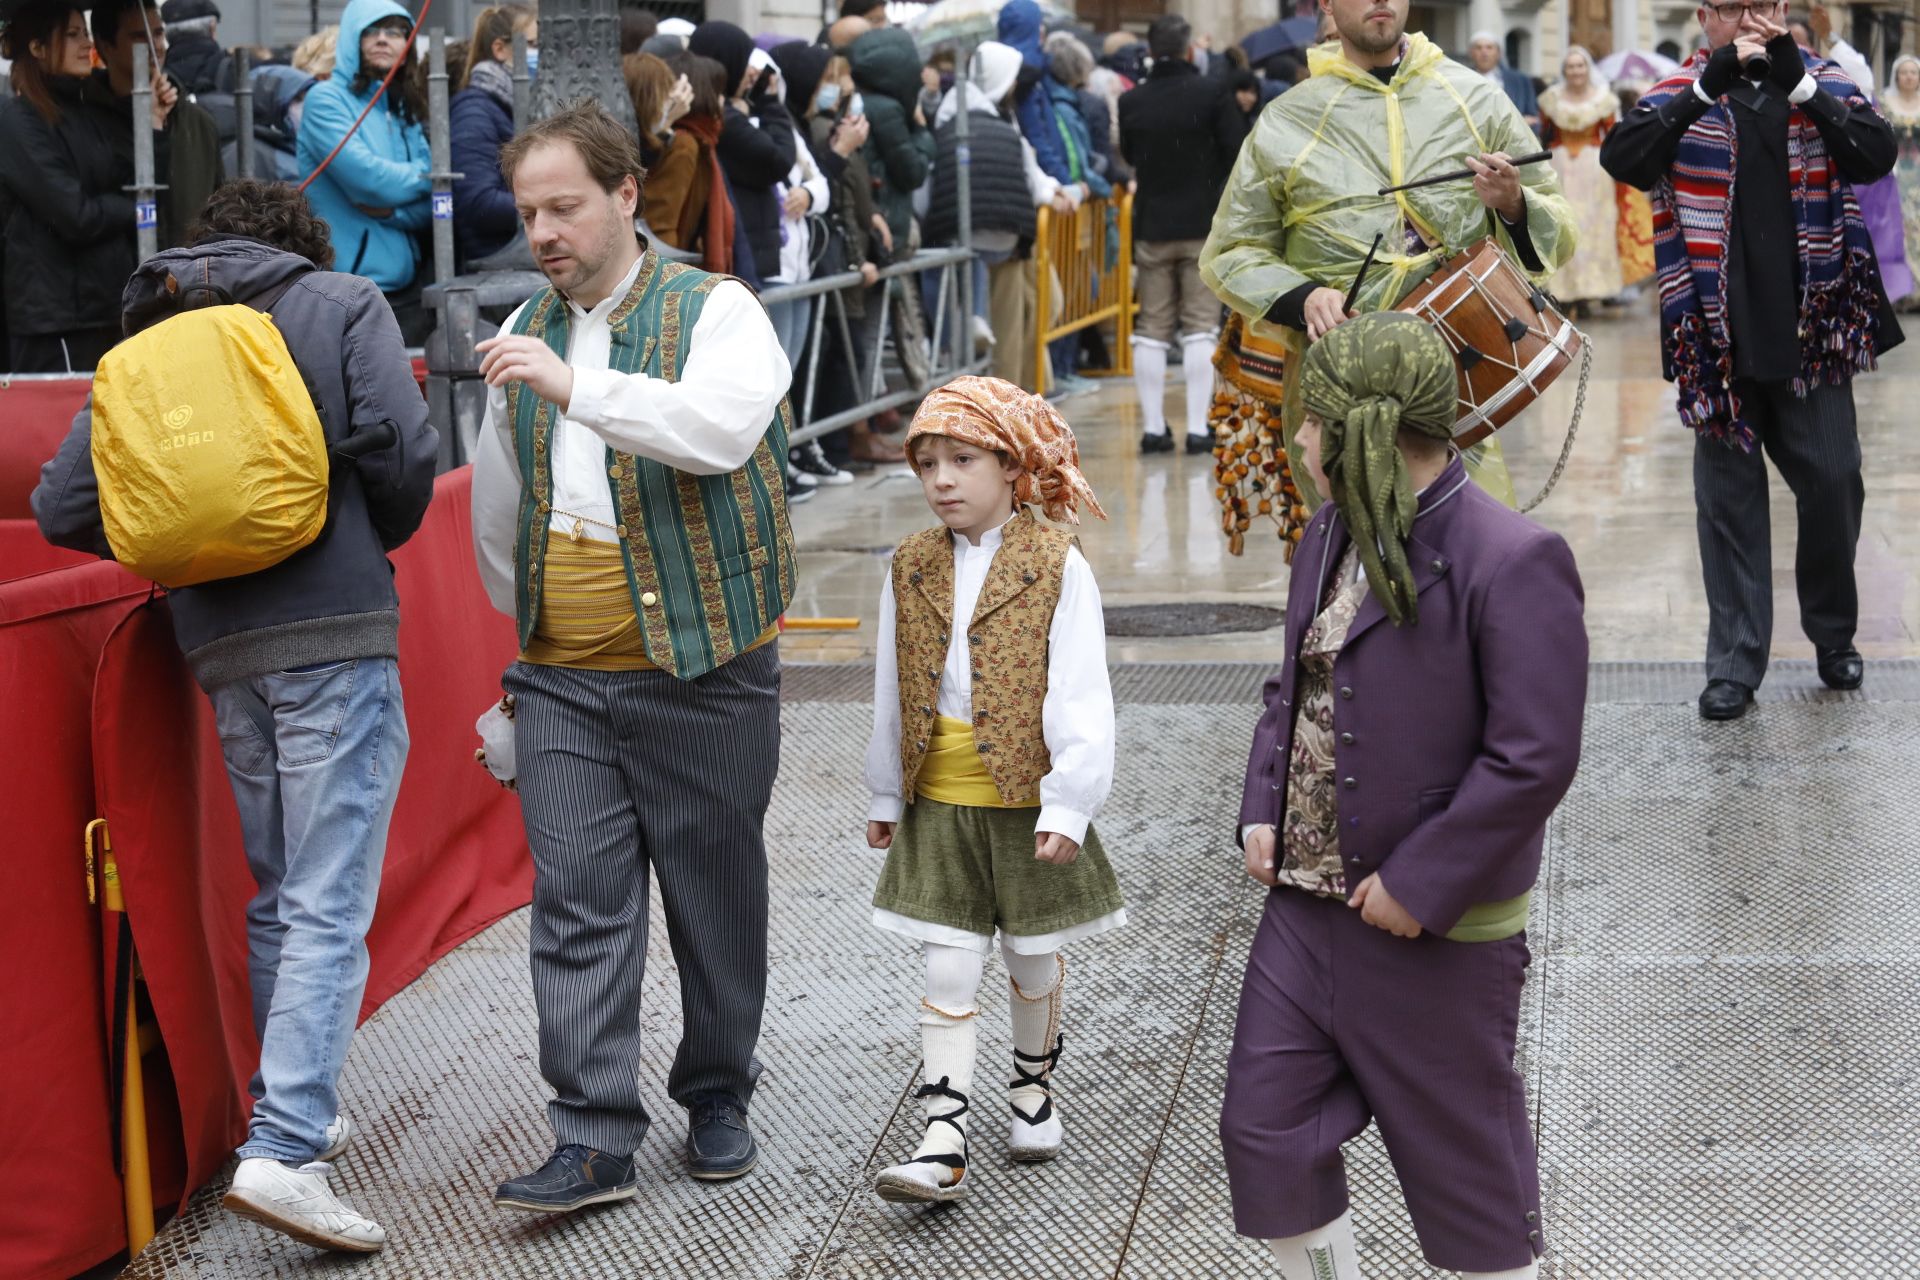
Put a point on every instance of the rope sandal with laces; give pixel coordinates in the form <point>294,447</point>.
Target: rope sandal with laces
<point>1036,1133</point>
<point>937,1170</point>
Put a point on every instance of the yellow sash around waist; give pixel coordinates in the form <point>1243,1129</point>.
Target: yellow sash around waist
<point>953,772</point>
<point>586,611</point>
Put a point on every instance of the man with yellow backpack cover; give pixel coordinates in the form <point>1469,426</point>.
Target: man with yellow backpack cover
<point>258,445</point>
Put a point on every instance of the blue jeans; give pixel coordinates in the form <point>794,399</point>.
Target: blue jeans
<point>315,799</point>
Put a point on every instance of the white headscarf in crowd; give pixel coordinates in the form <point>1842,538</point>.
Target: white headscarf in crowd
<point>990,77</point>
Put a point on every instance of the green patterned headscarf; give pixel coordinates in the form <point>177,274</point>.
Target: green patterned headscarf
<point>1366,381</point>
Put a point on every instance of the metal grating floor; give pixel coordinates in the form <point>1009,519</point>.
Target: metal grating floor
<point>1719,1032</point>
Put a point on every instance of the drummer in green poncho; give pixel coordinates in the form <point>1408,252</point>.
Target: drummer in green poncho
<point>1300,213</point>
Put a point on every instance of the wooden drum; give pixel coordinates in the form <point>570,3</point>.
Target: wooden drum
<point>1509,338</point>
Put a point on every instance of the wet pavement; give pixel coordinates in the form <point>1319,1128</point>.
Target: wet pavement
<point>1625,504</point>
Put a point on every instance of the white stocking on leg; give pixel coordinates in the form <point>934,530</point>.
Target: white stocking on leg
<point>1197,350</point>
<point>1036,1133</point>
<point>1325,1253</point>
<point>937,1169</point>
<point>1150,380</point>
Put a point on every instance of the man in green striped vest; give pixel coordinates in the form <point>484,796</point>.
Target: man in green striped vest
<point>629,512</point>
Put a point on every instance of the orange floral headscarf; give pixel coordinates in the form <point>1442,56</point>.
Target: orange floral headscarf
<point>994,414</point>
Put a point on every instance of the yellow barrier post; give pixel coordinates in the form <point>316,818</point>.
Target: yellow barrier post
<point>1072,252</point>
<point>136,1174</point>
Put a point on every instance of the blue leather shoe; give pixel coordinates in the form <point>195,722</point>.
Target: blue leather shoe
<point>572,1178</point>
<point>719,1144</point>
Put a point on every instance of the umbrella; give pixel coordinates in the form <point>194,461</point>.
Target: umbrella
<point>1288,33</point>
<point>1637,65</point>
<point>968,22</point>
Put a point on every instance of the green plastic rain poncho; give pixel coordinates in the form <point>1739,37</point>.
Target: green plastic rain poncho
<point>1301,205</point>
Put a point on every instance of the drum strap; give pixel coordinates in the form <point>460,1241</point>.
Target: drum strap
<point>1573,426</point>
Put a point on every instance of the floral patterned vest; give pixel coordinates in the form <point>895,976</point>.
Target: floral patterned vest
<point>1007,644</point>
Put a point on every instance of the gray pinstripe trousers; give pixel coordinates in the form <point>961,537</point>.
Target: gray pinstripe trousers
<point>1816,446</point>
<point>621,772</point>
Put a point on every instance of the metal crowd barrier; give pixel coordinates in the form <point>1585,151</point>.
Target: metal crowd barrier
<point>1075,272</point>
<point>950,339</point>
<point>456,398</point>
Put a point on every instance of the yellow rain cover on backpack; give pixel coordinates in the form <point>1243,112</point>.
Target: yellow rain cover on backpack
<point>209,454</point>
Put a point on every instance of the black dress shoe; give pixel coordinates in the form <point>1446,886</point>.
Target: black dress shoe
<point>1840,668</point>
<point>1162,443</point>
<point>1198,442</point>
<point>719,1144</point>
<point>1725,700</point>
<point>572,1178</point>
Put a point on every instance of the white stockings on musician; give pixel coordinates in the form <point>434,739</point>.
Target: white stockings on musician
<point>1197,349</point>
<point>1325,1253</point>
<point>1036,982</point>
<point>1150,380</point>
<point>937,1169</point>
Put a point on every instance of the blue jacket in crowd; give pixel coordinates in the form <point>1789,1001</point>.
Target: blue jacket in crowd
<point>383,167</point>
<point>1019,26</point>
<point>484,216</point>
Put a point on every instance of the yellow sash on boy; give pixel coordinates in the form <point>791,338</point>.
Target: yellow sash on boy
<point>952,771</point>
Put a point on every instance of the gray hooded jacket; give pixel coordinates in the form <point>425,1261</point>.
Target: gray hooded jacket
<point>333,600</point>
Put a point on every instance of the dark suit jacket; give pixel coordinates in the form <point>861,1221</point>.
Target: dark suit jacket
<point>1458,735</point>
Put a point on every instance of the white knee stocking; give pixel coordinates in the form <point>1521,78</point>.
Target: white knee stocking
<point>948,1035</point>
<point>1197,351</point>
<point>1035,1007</point>
<point>1150,380</point>
<point>1325,1253</point>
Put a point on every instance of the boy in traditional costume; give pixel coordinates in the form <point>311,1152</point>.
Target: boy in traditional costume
<point>1302,209</point>
<point>1424,724</point>
<point>992,749</point>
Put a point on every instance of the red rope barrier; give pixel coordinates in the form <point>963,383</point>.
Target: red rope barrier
<point>406,54</point>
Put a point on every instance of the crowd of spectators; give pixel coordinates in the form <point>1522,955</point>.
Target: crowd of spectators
<point>773,161</point>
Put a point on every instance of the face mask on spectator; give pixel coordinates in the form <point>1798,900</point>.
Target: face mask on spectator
<point>828,98</point>
<point>533,60</point>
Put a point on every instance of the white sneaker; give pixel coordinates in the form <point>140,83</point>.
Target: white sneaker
<point>982,332</point>
<point>299,1203</point>
<point>339,1137</point>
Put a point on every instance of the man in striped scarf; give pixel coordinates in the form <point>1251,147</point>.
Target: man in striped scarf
<point>1770,302</point>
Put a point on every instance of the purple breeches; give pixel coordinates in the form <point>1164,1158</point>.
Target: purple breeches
<point>1340,1023</point>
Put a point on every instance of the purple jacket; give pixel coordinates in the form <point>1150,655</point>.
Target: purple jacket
<point>1458,735</point>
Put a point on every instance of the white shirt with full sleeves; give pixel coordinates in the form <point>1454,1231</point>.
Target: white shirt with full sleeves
<point>732,375</point>
<point>1077,716</point>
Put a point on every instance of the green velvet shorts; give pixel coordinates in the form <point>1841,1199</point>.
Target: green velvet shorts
<point>973,868</point>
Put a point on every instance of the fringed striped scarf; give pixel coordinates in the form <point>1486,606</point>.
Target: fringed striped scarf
<point>1692,220</point>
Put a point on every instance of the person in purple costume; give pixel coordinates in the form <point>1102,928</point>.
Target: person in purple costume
<point>1424,724</point>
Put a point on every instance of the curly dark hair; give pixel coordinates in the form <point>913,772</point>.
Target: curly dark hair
<point>272,212</point>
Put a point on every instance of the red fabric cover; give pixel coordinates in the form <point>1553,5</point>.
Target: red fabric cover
<point>456,861</point>
<point>37,413</point>
<point>59,1190</point>
<point>23,552</point>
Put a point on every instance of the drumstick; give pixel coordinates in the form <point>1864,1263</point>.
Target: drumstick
<point>1366,265</point>
<point>1438,178</point>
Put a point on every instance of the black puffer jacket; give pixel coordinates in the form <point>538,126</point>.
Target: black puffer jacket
<point>70,237</point>
<point>199,64</point>
<point>1001,200</point>
<point>756,159</point>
